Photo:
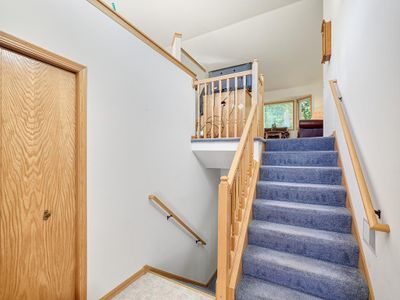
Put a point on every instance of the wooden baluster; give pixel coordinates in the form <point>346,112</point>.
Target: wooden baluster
<point>224,223</point>
<point>243,182</point>
<point>251,146</point>
<point>212,109</point>
<point>244,104</point>
<point>228,105</point>
<point>236,106</point>
<point>205,110</point>
<point>220,109</point>
<point>198,112</point>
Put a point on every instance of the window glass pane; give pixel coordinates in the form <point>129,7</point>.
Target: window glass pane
<point>280,114</point>
<point>305,112</point>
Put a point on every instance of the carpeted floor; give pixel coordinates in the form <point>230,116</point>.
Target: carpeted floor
<point>154,287</point>
<point>300,244</point>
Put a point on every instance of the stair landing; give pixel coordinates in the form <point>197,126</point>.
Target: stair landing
<point>153,286</point>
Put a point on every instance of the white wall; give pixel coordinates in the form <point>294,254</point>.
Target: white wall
<point>140,120</point>
<point>365,61</point>
<point>314,89</point>
<point>192,66</point>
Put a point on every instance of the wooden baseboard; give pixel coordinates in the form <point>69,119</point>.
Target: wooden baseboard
<point>211,278</point>
<point>180,278</point>
<point>118,289</point>
<point>349,204</point>
<point>145,269</point>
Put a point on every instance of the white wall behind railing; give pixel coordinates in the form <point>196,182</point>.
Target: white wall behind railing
<point>140,120</point>
<point>365,61</point>
<point>314,89</point>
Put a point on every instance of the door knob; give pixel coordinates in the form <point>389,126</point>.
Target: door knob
<point>46,215</point>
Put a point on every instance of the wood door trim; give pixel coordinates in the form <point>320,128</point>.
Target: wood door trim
<point>19,46</point>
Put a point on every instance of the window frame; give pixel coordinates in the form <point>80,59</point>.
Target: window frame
<point>299,100</point>
<point>283,102</point>
<point>296,108</point>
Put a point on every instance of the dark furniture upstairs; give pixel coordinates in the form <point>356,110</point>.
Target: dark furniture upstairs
<point>311,128</point>
<point>276,133</point>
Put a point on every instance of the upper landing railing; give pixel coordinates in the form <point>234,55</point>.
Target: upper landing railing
<point>223,104</point>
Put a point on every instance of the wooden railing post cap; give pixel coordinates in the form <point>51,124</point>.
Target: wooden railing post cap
<point>224,178</point>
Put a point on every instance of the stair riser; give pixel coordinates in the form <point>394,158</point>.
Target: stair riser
<point>324,250</point>
<point>305,282</point>
<point>315,195</point>
<point>313,159</point>
<point>302,175</point>
<point>319,144</point>
<point>304,218</point>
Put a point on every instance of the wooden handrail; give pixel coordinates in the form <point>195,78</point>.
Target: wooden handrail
<point>240,148</point>
<point>178,220</point>
<point>362,184</point>
<point>223,77</point>
<point>236,193</point>
<point>106,9</point>
<point>194,60</point>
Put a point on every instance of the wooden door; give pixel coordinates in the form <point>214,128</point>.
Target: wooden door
<point>38,257</point>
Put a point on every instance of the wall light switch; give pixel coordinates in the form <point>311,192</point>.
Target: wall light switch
<point>368,235</point>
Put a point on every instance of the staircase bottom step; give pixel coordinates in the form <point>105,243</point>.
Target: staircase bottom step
<point>251,288</point>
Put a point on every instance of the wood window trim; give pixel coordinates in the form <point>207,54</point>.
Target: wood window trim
<point>293,111</point>
<point>296,101</point>
<point>19,46</point>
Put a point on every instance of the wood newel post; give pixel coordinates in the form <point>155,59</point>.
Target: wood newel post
<point>176,46</point>
<point>261,132</point>
<point>224,224</point>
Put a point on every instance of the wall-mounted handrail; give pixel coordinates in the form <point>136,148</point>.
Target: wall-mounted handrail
<point>362,184</point>
<point>106,9</point>
<point>178,220</point>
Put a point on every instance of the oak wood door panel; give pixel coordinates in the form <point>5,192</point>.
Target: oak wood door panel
<point>37,161</point>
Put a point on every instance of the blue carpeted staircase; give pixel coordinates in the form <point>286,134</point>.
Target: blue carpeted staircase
<point>300,244</point>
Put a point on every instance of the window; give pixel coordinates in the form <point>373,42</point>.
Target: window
<point>288,113</point>
<point>280,114</point>
<point>304,106</point>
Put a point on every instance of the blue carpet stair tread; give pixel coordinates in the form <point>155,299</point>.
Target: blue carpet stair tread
<point>300,244</point>
<point>300,158</point>
<point>304,144</point>
<point>329,246</point>
<point>312,276</point>
<point>256,289</point>
<point>323,194</point>
<point>330,218</point>
<point>302,174</point>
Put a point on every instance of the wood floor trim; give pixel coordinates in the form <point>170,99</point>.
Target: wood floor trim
<point>349,204</point>
<point>119,288</point>
<point>183,285</point>
<point>176,277</point>
<point>145,269</point>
